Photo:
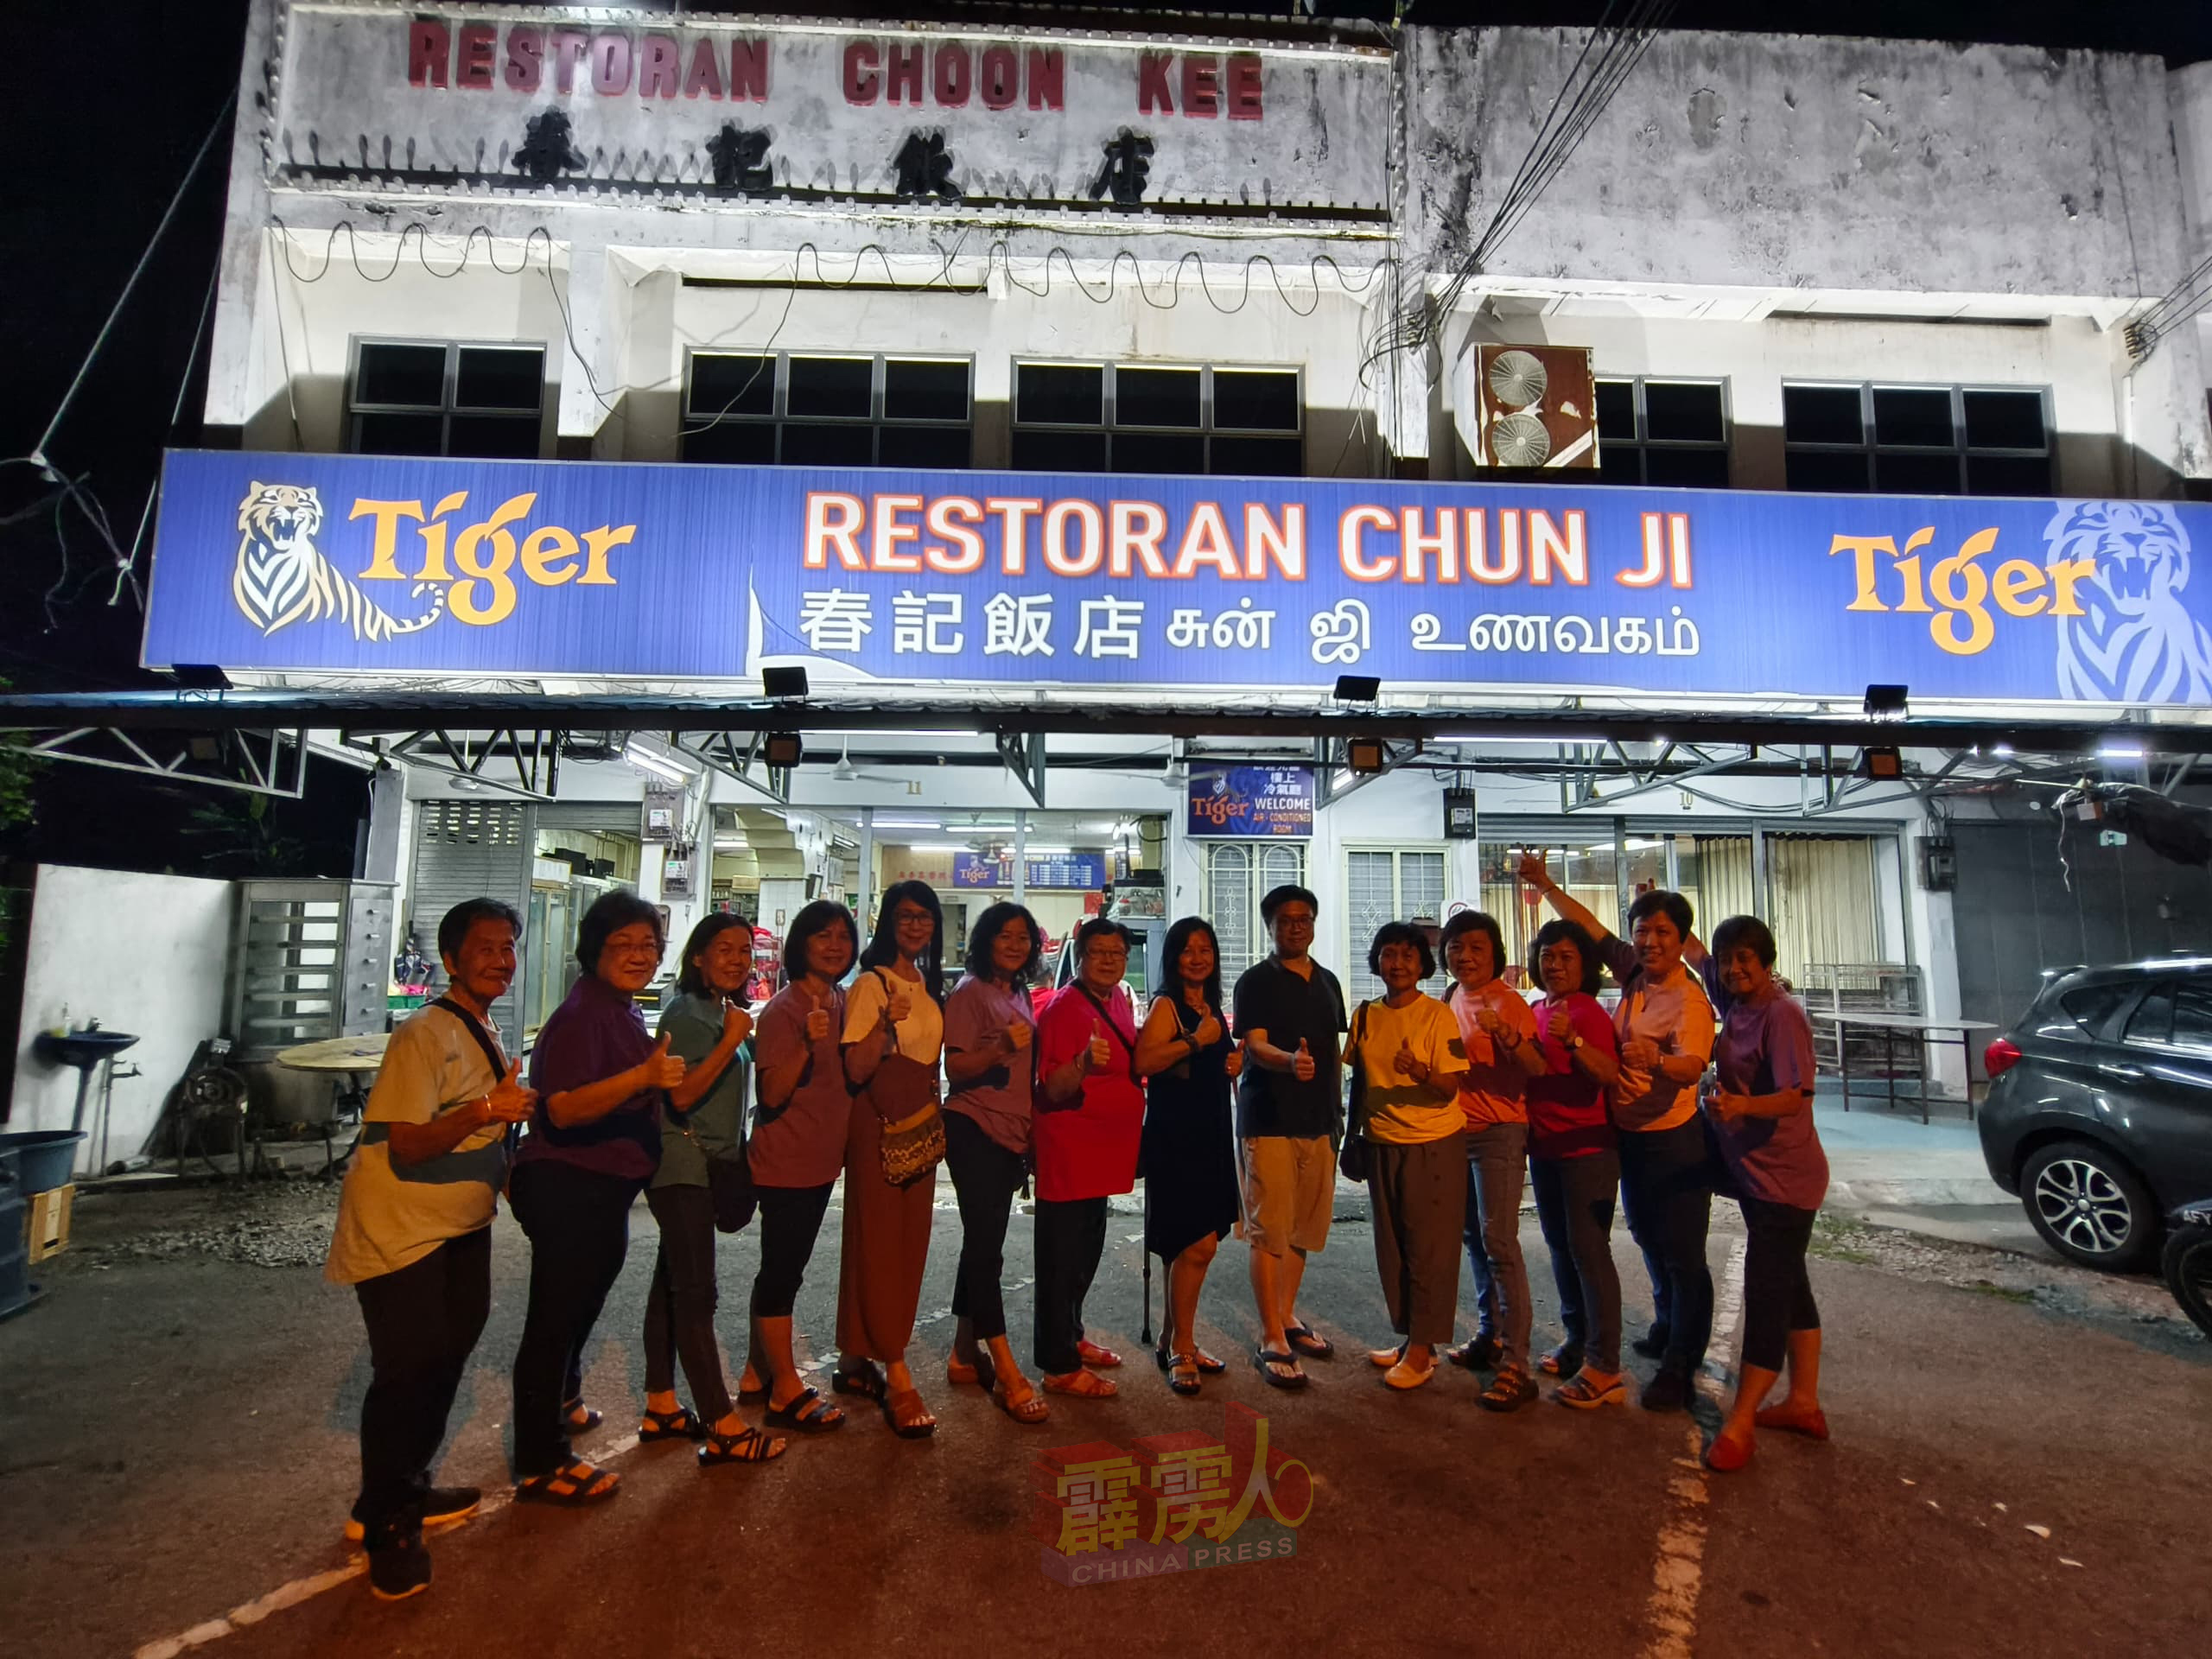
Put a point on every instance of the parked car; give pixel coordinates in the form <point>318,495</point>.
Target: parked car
<point>2100,1111</point>
<point>2188,1261</point>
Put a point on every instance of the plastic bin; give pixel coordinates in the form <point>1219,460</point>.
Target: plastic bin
<point>15,1254</point>
<point>44,1158</point>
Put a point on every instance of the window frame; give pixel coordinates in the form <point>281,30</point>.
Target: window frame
<point>1257,884</point>
<point>1110,423</point>
<point>1642,443</point>
<point>779,415</point>
<point>449,405</point>
<point>1355,951</point>
<point>1962,452</point>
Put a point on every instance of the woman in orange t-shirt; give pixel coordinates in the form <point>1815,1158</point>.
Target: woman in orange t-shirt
<point>1499,1030</point>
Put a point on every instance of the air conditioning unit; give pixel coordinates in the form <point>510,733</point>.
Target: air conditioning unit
<point>1536,406</point>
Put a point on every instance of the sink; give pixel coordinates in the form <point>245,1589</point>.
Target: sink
<point>84,1049</point>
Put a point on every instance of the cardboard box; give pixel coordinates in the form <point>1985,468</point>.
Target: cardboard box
<point>50,1221</point>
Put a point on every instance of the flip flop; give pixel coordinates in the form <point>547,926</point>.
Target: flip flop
<point>1309,1342</point>
<point>1210,1366</point>
<point>795,1416</point>
<point>1266,1358</point>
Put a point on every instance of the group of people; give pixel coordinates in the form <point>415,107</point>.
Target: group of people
<point>866,1067</point>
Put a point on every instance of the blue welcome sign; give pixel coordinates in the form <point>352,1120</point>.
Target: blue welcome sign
<point>1249,801</point>
<point>368,563</point>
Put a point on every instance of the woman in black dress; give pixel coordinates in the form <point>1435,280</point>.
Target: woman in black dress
<point>1190,1167</point>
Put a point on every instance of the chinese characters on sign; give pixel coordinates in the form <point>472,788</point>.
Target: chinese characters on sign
<point>1261,801</point>
<point>1168,1503</point>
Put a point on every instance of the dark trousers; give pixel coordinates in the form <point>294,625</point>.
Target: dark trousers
<point>680,1306</point>
<point>422,1322</point>
<point>1418,1197</point>
<point>1777,1294</point>
<point>1070,1239</point>
<point>986,1176</point>
<point>578,1222</point>
<point>791,1221</point>
<point>1667,1193</point>
<point>1575,1206</point>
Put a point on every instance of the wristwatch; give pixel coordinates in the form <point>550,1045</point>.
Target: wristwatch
<point>1574,1039</point>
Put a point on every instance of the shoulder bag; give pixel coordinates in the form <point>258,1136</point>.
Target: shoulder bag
<point>1352,1158</point>
<point>903,1096</point>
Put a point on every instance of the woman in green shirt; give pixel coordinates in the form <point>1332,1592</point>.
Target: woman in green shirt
<point>703,1118</point>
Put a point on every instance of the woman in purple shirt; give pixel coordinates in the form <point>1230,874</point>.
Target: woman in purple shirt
<point>1761,1118</point>
<point>990,1058</point>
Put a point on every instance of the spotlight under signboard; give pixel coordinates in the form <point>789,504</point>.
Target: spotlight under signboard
<point>1364,755</point>
<point>784,749</point>
<point>1882,766</point>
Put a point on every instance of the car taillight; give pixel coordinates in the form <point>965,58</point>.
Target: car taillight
<point>2000,1057</point>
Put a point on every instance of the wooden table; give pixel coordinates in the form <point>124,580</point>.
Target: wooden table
<point>1925,1029</point>
<point>351,1057</point>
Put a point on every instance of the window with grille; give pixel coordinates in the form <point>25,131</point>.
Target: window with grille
<point>1239,874</point>
<point>1663,432</point>
<point>423,397</point>
<point>1158,417</point>
<point>1917,440</point>
<point>801,409</point>
<point>1384,887</point>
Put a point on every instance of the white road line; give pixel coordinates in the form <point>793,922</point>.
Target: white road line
<point>307,1589</point>
<point>1679,1573</point>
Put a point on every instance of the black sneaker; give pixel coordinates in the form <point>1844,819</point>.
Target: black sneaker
<point>1652,1345</point>
<point>398,1566</point>
<point>442,1506</point>
<point>1669,1390</point>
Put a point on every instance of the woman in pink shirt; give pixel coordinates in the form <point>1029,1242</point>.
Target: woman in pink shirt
<point>1575,1167</point>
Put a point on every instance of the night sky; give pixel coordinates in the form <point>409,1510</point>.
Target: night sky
<point>120,98</point>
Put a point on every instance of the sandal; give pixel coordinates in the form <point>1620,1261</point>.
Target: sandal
<point>908,1417</point>
<point>1083,1385</point>
<point>571,1487</point>
<point>1477,1353</point>
<point>1510,1390</point>
<point>868,1382</point>
<point>983,1372</point>
<point>1090,1353</point>
<point>682,1424</point>
<point>1267,1358</point>
<point>1209,1364</point>
<point>1562,1361</point>
<point>1386,1357</point>
<point>1583,1392</point>
<point>748,1445</point>
<point>1309,1342</point>
<point>806,1413</point>
<point>1030,1408</point>
<point>578,1418</point>
<point>1183,1378</point>
<point>755,1395</point>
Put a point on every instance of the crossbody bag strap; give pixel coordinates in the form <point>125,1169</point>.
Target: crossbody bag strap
<point>1106,1015</point>
<point>1359,1070</point>
<point>492,1056</point>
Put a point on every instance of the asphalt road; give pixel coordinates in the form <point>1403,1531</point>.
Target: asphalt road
<point>176,1443</point>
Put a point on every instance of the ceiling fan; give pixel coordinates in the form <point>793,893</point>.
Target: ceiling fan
<point>845,771</point>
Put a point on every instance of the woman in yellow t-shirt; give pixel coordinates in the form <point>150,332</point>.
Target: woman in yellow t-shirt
<point>1407,1049</point>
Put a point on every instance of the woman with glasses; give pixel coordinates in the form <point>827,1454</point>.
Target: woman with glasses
<point>1190,1159</point>
<point>894,1039</point>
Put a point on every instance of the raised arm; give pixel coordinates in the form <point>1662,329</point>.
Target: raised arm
<point>590,1102</point>
<point>700,1074</point>
<point>1535,873</point>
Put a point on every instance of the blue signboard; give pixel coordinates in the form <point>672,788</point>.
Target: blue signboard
<point>367,564</point>
<point>1083,871</point>
<point>1264,801</point>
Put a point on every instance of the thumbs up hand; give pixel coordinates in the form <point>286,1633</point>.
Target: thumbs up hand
<point>509,1100</point>
<point>1208,1031</point>
<point>817,1020</point>
<point>900,1003</point>
<point>661,1069</point>
<point>1301,1063</point>
<point>1233,1062</point>
<point>1017,1037</point>
<point>1560,1027</point>
<point>737,1023</point>
<point>1100,1051</point>
<point>1403,1061</point>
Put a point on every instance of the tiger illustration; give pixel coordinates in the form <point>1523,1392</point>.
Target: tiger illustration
<point>281,578</point>
<point>2138,642</point>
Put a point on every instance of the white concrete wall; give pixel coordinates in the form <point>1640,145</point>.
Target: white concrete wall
<point>145,954</point>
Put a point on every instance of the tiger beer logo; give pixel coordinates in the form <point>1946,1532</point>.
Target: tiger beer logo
<point>448,565</point>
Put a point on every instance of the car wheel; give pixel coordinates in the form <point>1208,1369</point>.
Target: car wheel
<point>2188,1272</point>
<point>2088,1206</point>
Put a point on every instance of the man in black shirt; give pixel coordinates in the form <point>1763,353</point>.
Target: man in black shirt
<point>1289,1011</point>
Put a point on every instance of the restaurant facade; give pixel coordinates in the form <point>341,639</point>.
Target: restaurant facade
<point>1089,412</point>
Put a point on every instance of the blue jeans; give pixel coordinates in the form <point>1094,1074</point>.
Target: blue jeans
<point>1666,1195</point>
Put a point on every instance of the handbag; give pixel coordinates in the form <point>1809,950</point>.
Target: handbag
<point>1351,1157</point>
<point>903,1096</point>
